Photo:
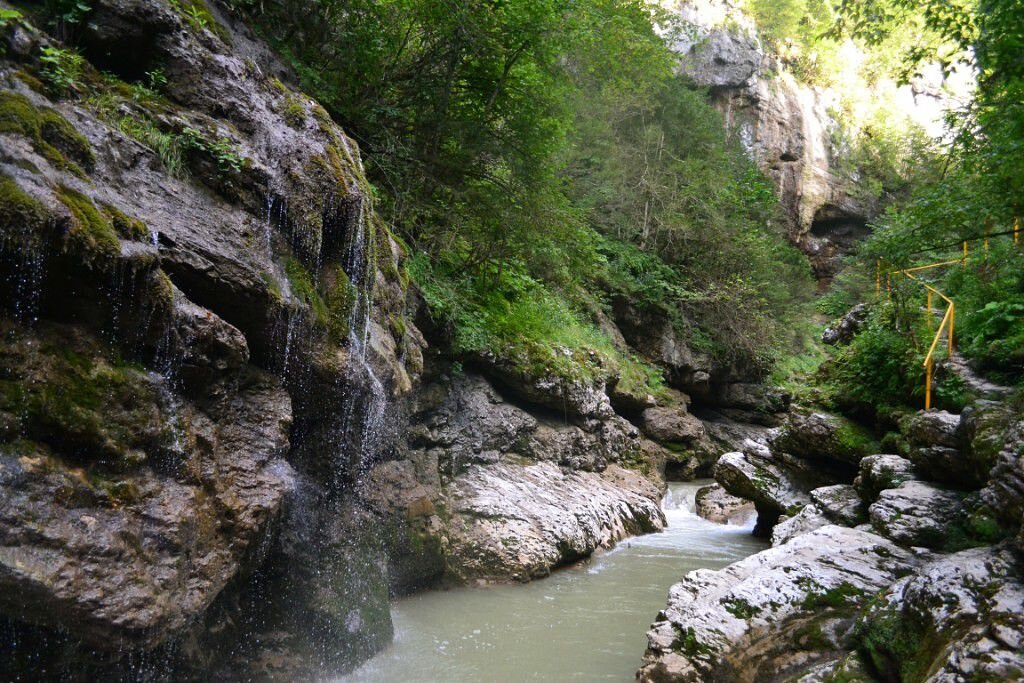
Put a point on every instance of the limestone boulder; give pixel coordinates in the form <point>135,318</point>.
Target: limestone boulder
<point>805,521</point>
<point>714,504</point>
<point>957,618</point>
<point>516,522</point>
<point>917,514</point>
<point>840,503</point>
<point>822,436</point>
<point>775,615</point>
<point>880,472</point>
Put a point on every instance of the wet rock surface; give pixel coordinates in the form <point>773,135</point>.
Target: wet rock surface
<point>518,522</point>
<point>152,472</point>
<point>779,613</point>
<point>133,547</point>
<point>487,490</point>
<point>715,505</point>
<point>916,514</point>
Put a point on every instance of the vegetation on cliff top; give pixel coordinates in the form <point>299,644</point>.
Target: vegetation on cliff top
<point>973,196</point>
<point>542,159</point>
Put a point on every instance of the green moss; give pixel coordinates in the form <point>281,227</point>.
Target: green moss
<point>198,16</point>
<point>279,87</point>
<point>52,136</point>
<point>31,81</point>
<point>273,286</point>
<point>686,641</point>
<point>339,301</point>
<point>92,236</point>
<point>127,227</point>
<point>740,608</point>
<point>898,645</point>
<point>855,440</point>
<point>21,215</point>
<point>812,637</point>
<point>293,111</point>
<point>304,288</point>
<point>843,595</point>
<point>66,393</point>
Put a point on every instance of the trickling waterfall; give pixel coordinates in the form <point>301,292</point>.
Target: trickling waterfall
<point>365,396</point>
<point>25,277</point>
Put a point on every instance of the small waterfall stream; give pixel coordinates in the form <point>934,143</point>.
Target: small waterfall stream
<point>586,622</point>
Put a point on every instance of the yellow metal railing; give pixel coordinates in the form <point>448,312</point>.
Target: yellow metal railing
<point>949,317</point>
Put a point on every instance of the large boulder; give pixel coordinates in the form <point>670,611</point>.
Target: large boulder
<point>841,503</point>
<point>127,508</point>
<point>714,504</point>
<point>984,426</point>
<point>880,472</point>
<point>774,615</point>
<point>821,436</point>
<point>514,522</point>
<point>805,521</point>
<point>1005,491</point>
<point>777,484</point>
<point>671,424</point>
<point>958,618</point>
<point>761,480</point>
<point>935,445</point>
<point>916,514</point>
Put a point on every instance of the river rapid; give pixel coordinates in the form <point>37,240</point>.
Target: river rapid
<point>587,622</point>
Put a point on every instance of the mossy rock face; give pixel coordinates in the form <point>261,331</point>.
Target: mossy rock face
<point>51,134</point>
<point>127,227</point>
<point>821,436</point>
<point>64,390</point>
<point>304,288</point>
<point>91,236</point>
<point>339,300</point>
<point>22,217</point>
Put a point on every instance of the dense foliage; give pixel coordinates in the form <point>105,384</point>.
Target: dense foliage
<point>539,158</point>
<point>976,198</point>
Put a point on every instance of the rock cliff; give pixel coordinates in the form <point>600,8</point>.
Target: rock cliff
<point>224,443</point>
<point>784,125</point>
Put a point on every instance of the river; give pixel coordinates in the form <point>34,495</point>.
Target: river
<point>587,622</point>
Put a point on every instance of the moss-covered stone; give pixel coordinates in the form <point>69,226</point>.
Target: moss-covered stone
<point>304,288</point>
<point>91,235</point>
<point>897,645</point>
<point>52,136</point>
<point>843,595</point>
<point>293,111</point>
<point>198,16</point>
<point>127,227</point>
<point>339,300</point>
<point>68,393</point>
<point>740,608</point>
<point>22,217</point>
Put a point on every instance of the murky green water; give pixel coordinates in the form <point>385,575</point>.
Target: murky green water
<point>584,623</point>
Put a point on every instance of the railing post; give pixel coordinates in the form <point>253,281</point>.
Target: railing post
<point>952,317</point>
<point>929,310</point>
<point>965,253</point>
<point>928,385</point>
